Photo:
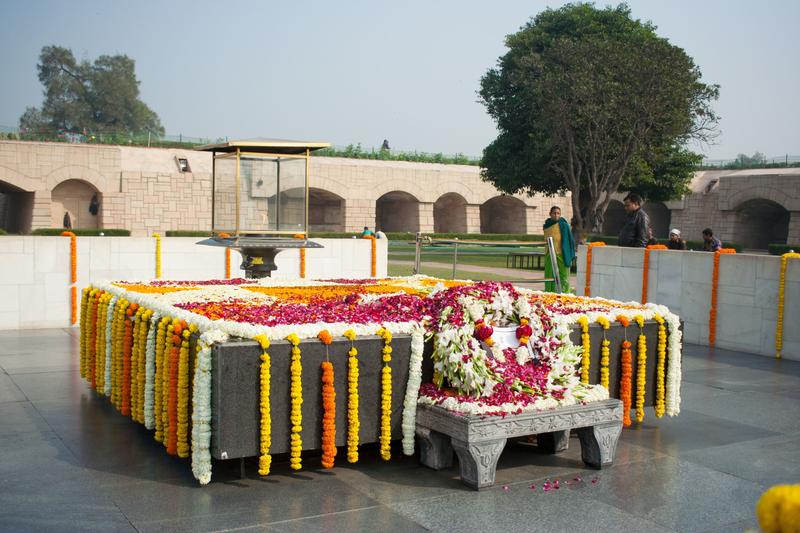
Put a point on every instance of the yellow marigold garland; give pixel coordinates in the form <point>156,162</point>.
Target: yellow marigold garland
<point>778,509</point>
<point>781,298</point>
<point>158,388</point>
<point>265,440</point>
<point>353,423</point>
<point>641,368</point>
<point>84,323</point>
<point>586,353</point>
<point>183,395</point>
<point>168,343</point>
<point>385,438</point>
<point>158,254</point>
<point>296,392</point>
<point>661,363</point>
<point>604,352</point>
<point>134,369</point>
<point>100,342</point>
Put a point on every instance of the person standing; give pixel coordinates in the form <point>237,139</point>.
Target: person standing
<point>564,245</point>
<point>636,230</point>
<point>710,243</point>
<point>675,242</point>
<point>367,232</point>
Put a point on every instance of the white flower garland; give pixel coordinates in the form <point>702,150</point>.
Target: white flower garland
<point>673,386</point>
<point>201,407</point>
<point>412,390</point>
<point>109,322</point>
<point>149,372</point>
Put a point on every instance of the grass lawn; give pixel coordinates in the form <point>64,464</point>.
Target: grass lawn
<point>485,256</point>
<point>445,273</point>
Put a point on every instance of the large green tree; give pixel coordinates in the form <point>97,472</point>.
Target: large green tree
<point>100,97</point>
<point>589,101</point>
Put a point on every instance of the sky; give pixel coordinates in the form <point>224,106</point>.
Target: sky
<point>353,72</point>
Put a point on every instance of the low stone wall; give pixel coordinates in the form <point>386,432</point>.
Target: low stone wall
<point>35,271</point>
<point>747,306</point>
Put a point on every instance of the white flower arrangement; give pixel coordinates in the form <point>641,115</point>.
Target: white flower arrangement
<point>409,423</point>
<point>149,371</point>
<point>109,345</point>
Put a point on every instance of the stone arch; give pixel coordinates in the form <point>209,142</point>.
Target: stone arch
<point>660,217</point>
<point>16,208</point>
<point>755,193</point>
<point>450,214</point>
<point>614,218</point>
<point>325,210</point>
<point>74,197</point>
<point>760,222</point>
<point>503,214</point>
<point>397,211</point>
<point>77,172</point>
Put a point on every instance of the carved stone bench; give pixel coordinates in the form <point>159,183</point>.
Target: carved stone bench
<point>479,440</point>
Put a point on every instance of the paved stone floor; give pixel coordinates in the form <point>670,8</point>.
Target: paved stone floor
<point>68,461</point>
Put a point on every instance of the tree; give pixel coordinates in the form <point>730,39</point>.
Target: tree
<point>101,97</point>
<point>589,100</point>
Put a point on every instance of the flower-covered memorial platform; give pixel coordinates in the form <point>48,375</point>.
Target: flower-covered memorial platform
<point>227,369</point>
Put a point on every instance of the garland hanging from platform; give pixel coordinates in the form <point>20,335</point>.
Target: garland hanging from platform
<point>641,368</point>
<point>585,349</point>
<point>781,299</point>
<point>712,314</point>
<point>328,404</point>
<point>587,285</point>
<point>157,237</point>
<point>353,424</point>
<point>265,425</point>
<point>626,364</point>
<point>385,438</point>
<point>409,423</point>
<point>646,268</point>
<point>296,396</point>
<point>605,352</point>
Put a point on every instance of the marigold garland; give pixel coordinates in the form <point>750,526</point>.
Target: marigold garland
<point>328,416</point>
<point>84,322</point>
<point>91,328</point>
<point>626,362</point>
<point>73,275</point>
<point>604,352</point>
<point>265,425</point>
<point>781,298</point>
<point>135,361</point>
<point>646,268</point>
<point>172,400</point>
<point>778,509</point>
<point>157,237</point>
<point>353,423</point>
<point>227,263</point>
<point>296,395</point>
<point>373,256</point>
<point>158,383</point>
<point>586,347</point>
<point>588,279</point>
<point>661,362</point>
<point>712,314</point>
<point>127,347</point>
<point>641,369</point>
<point>165,382</point>
<point>182,447</point>
<point>99,340</point>
<point>385,438</point>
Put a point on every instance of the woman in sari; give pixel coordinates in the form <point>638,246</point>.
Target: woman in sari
<point>558,228</point>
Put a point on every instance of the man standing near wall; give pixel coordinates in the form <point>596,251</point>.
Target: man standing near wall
<point>636,230</point>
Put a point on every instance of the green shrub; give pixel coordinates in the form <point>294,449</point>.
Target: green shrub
<point>780,249</point>
<point>3,232</point>
<point>187,233</point>
<point>83,232</point>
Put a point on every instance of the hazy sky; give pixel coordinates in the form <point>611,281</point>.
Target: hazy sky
<point>349,72</point>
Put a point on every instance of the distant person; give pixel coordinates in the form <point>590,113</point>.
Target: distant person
<point>710,243</point>
<point>379,234</point>
<point>564,245</point>
<point>650,239</point>
<point>367,232</point>
<point>635,231</point>
<point>67,220</point>
<point>675,241</point>
<point>385,145</point>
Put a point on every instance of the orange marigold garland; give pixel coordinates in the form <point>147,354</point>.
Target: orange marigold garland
<point>227,263</point>
<point>265,425</point>
<point>781,298</point>
<point>328,416</point>
<point>627,372</point>
<point>586,347</point>
<point>604,352</point>
<point>641,368</point>
<point>73,275</point>
<point>712,314</point>
<point>127,346</point>
<point>84,323</point>
<point>646,268</point>
<point>385,438</point>
<point>296,413</point>
<point>165,383</point>
<point>353,423</point>
<point>661,363</point>
<point>588,279</point>
<point>172,400</point>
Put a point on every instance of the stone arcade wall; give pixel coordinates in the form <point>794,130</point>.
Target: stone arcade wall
<point>747,293</point>
<point>34,271</point>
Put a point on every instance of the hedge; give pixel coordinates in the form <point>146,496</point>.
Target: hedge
<point>187,233</point>
<point>780,249</point>
<point>83,232</point>
<point>3,232</point>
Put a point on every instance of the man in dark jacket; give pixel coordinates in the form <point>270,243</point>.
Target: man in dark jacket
<point>636,230</point>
